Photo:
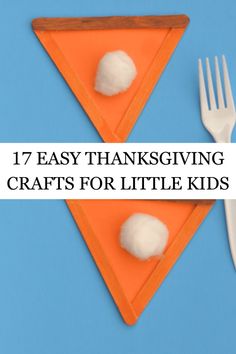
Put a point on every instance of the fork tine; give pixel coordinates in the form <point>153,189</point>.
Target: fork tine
<point>210,86</point>
<point>202,89</point>
<point>221,103</point>
<point>228,91</point>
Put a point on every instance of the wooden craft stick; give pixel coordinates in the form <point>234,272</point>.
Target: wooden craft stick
<point>116,22</point>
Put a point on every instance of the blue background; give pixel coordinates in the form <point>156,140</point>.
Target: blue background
<point>52,298</point>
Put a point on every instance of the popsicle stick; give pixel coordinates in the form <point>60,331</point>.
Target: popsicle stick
<point>196,201</point>
<point>116,22</point>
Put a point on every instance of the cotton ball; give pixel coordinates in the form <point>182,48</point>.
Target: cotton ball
<point>116,72</point>
<point>144,236</point>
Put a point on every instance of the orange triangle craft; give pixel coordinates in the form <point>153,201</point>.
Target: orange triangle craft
<point>132,282</point>
<point>77,44</point>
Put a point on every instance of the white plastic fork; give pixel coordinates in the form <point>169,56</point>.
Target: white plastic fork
<point>219,119</point>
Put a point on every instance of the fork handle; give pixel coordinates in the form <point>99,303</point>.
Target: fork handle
<point>230,212</point>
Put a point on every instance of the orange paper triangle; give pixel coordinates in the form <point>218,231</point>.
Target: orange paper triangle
<point>77,44</point>
<point>132,282</point>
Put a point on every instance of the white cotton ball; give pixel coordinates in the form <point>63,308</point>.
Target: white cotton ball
<point>116,72</point>
<point>144,236</point>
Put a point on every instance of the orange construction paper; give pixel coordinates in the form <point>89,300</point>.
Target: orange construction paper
<point>76,46</point>
<point>77,52</point>
<point>132,282</point>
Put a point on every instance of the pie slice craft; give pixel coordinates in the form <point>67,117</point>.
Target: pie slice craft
<point>132,282</point>
<point>77,44</point>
